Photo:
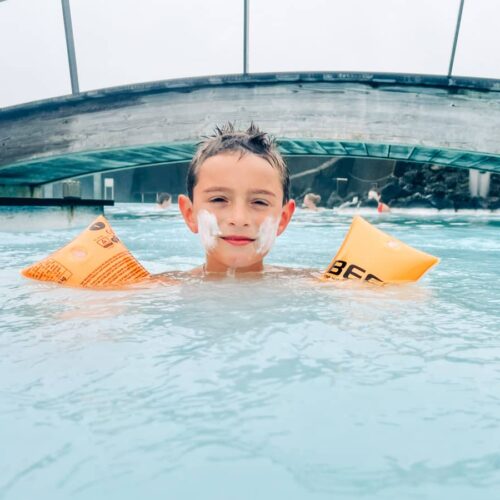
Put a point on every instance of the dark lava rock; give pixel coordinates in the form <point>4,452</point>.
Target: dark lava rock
<point>414,178</point>
<point>494,204</point>
<point>402,167</point>
<point>399,169</point>
<point>392,191</point>
<point>411,185</point>
<point>441,202</point>
<point>464,201</point>
<point>365,202</point>
<point>334,200</point>
<point>438,189</point>
<point>416,200</point>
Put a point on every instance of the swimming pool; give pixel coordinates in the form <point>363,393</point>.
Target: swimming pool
<point>278,388</point>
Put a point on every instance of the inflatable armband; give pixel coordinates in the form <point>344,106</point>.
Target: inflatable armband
<point>94,259</point>
<point>368,254</point>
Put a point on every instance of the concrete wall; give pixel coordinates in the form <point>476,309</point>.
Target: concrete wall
<point>433,114</point>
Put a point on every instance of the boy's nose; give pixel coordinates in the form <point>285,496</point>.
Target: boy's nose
<point>238,216</point>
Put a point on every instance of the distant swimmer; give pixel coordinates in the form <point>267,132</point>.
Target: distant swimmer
<point>311,201</point>
<point>373,194</point>
<point>382,207</point>
<point>164,201</point>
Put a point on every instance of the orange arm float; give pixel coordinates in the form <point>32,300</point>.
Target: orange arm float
<point>368,254</point>
<point>94,259</point>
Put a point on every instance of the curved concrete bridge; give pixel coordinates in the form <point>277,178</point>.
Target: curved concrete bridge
<point>425,119</point>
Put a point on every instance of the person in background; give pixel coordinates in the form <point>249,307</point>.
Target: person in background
<point>373,194</point>
<point>311,201</point>
<point>164,200</point>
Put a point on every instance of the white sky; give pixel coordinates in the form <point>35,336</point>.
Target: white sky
<point>129,41</point>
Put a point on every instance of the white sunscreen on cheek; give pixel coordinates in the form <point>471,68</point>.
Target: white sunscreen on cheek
<point>208,229</point>
<point>267,234</point>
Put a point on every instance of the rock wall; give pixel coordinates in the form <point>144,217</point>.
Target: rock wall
<point>432,186</point>
<point>410,185</point>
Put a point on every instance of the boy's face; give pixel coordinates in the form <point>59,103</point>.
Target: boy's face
<point>238,206</point>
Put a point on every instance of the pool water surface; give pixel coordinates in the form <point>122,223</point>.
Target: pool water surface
<point>273,388</point>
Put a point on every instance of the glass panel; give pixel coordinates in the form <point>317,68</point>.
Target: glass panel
<point>128,41</point>
<point>479,42</point>
<point>33,58</point>
<point>403,36</point>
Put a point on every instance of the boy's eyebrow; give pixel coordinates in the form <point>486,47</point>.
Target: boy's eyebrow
<point>263,191</point>
<point>216,188</point>
<point>225,189</point>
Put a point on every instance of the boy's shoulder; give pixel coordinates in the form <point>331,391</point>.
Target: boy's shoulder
<point>270,271</point>
<point>292,272</point>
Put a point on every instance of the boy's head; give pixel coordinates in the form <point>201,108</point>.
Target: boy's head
<point>229,140</point>
<point>238,198</point>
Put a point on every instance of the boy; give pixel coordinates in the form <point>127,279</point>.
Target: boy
<point>238,199</point>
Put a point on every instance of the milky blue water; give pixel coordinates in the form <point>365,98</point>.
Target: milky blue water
<point>279,388</point>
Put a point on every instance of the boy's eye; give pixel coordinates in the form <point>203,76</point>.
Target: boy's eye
<point>217,199</point>
<point>262,203</point>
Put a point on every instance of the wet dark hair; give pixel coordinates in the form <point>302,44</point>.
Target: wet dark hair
<point>163,197</point>
<point>228,140</point>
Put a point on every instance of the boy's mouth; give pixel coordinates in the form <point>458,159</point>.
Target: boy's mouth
<point>237,240</point>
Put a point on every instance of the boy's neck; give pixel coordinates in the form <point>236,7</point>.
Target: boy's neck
<point>211,266</point>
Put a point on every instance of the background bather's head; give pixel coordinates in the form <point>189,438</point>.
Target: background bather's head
<point>164,200</point>
<point>311,201</point>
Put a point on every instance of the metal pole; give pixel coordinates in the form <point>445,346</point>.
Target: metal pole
<point>245,36</point>
<point>457,30</point>
<point>70,46</point>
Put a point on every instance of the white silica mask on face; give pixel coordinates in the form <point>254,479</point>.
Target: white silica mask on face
<point>208,230</point>
<point>267,234</point>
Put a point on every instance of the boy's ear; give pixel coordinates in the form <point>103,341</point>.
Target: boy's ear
<point>286,215</point>
<point>186,208</point>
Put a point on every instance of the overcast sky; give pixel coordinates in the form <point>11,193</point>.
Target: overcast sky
<point>130,41</point>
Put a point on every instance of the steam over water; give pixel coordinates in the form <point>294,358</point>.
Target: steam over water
<point>274,388</point>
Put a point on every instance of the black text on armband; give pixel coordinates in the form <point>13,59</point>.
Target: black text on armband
<point>341,269</point>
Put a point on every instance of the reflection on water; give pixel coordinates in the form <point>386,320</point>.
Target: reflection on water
<point>279,388</point>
